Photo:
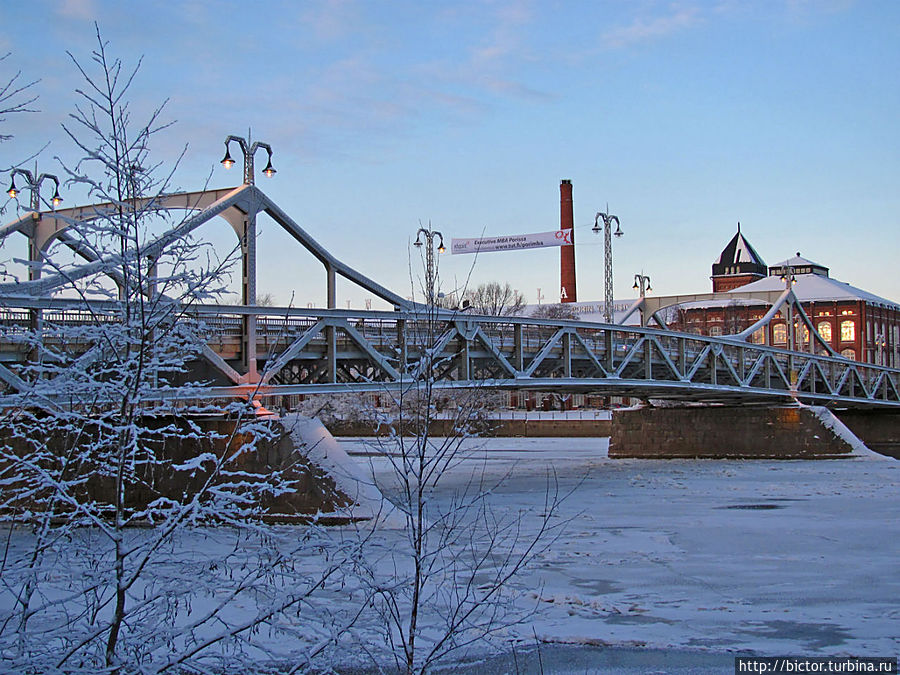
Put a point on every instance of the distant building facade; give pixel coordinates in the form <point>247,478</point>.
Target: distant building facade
<point>855,323</point>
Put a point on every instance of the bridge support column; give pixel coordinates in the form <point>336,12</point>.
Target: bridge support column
<point>248,295</point>
<point>518,349</point>
<point>719,432</point>
<point>331,352</point>
<point>609,351</point>
<point>35,316</point>
<point>465,371</point>
<point>331,287</point>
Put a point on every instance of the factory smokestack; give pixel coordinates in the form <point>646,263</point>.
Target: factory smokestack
<point>567,291</point>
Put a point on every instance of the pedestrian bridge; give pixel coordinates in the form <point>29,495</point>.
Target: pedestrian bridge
<point>248,351</point>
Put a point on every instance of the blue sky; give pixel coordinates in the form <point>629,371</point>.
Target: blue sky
<point>685,117</point>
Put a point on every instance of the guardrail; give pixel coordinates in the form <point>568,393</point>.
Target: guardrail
<point>306,351</point>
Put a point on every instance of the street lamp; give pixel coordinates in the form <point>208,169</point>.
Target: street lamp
<point>788,282</point>
<point>607,258</point>
<point>35,186</point>
<point>249,150</point>
<point>642,283</point>
<point>430,275</point>
<point>248,245</point>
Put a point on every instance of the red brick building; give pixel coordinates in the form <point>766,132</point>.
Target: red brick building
<point>855,323</point>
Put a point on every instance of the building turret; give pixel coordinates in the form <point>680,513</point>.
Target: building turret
<point>798,265</point>
<point>737,265</point>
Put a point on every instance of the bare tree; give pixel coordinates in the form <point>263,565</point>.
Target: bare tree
<point>444,586</point>
<point>15,97</point>
<point>91,449</point>
<point>495,299</point>
<point>735,318</point>
<point>557,311</point>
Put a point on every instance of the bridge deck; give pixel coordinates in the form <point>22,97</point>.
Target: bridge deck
<point>306,351</point>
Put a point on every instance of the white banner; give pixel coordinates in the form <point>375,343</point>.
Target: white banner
<point>513,242</point>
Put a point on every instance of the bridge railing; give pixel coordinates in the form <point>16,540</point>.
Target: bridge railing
<point>353,349</point>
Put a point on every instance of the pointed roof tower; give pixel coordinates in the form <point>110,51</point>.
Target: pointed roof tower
<point>737,265</point>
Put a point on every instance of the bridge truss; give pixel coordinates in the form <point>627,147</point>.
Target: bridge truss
<point>250,351</point>
<point>302,351</point>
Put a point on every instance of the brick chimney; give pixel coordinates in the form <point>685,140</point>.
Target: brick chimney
<point>567,291</point>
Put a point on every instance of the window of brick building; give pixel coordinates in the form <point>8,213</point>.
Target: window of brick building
<point>848,353</point>
<point>848,331</point>
<point>824,329</point>
<point>779,333</point>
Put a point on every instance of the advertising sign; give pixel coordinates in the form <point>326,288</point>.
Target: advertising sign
<point>512,242</point>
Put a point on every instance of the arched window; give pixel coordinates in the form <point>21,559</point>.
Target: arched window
<point>759,336</point>
<point>779,333</point>
<point>715,331</point>
<point>848,331</point>
<point>824,329</point>
<point>848,353</point>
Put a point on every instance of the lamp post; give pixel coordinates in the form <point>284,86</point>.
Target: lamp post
<point>787,276</point>
<point>248,242</point>
<point>248,149</point>
<point>607,258</point>
<point>248,236</point>
<point>430,272</point>
<point>33,184</point>
<point>642,284</point>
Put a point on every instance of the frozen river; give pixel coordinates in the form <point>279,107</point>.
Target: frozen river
<point>679,564</point>
<point>661,567</point>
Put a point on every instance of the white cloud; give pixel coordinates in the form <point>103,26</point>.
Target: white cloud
<point>78,9</point>
<point>644,29</point>
<point>330,20</point>
<point>505,39</point>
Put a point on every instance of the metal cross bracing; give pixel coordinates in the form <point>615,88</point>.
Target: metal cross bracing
<point>382,351</point>
<point>296,351</point>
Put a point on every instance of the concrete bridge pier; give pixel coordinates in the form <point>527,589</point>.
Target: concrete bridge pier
<point>748,432</point>
<point>878,429</point>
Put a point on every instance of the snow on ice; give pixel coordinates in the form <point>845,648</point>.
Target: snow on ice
<point>662,562</point>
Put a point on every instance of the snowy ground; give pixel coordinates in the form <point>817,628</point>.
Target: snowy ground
<point>680,563</point>
<point>664,567</point>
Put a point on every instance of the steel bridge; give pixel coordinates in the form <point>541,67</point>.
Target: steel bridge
<point>252,351</point>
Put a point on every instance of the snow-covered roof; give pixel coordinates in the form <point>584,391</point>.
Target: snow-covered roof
<point>817,288</point>
<point>798,262</point>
